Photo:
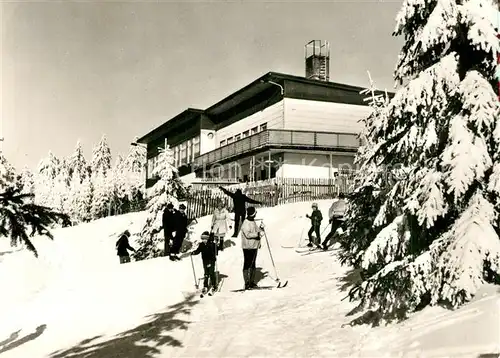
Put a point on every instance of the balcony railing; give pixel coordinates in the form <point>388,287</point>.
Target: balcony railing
<point>280,138</point>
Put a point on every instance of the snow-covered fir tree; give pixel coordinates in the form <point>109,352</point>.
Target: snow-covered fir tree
<point>78,164</point>
<point>116,180</point>
<point>82,200</point>
<point>371,189</point>
<point>435,235</point>
<point>27,181</point>
<point>62,188</point>
<point>134,171</point>
<point>7,174</point>
<point>101,157</point>
<point>163,192</point>
<point>48,169</point>
<point>101,195</point>
<point>102,190</point>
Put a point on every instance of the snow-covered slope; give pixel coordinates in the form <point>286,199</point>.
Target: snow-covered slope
<point>77,301</point>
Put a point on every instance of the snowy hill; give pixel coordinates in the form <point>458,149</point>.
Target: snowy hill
<point>77,301</point>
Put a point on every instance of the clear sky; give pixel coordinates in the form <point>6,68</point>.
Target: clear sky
<point>78,70</point>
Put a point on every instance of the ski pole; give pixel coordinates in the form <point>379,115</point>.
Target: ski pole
<point>301,235</point>
<point>194,273</point>
<point>215,268</point>
<point>271,255</point>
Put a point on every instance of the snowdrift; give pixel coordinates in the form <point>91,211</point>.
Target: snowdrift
<point>76,300</point>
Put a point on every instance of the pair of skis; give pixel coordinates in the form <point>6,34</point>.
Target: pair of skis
<point>280,285</point>
<point>212,292</point>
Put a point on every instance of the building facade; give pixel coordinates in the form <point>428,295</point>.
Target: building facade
<point>277,126</point>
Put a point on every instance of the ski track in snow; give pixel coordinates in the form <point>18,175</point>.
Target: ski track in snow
<point>79,291</point>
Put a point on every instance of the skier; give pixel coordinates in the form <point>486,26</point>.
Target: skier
<point>336,214</point>
<point>250,243</point>
<point>208,250</point>
<point>316,218</point>
<point>219,223</point>
<point>239,201</point>
<point>181,229</point>
<point>168,222</point>
<point>122,247</point>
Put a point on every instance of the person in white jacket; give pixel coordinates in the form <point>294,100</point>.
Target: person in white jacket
<point>336,215</point>
<point>250,243</point>
<point>220,224</point>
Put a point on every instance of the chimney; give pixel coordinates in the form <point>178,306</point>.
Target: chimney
<point>317,59</point>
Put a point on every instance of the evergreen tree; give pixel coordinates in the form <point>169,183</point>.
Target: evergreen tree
<point>435,236</point>
<point>134,170</point>
<point>82,201</point>
<point>102,191</point>
<point>101,196</point>
<point>371,189</point>
<point>27,181</point>
<point>48,169</point>
<point>101,157</point>
<point>117,183</point>
<point>17,216</point>
<point>77,163</point>
<point>163,192</point>
<point>7,174</point>
<point>62,188</point>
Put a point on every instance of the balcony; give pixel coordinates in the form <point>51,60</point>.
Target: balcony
<point>280,139</point>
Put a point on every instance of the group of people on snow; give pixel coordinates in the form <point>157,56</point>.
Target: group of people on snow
<point>175,228</point>
<point>213,241</point>
<point>336,219</point>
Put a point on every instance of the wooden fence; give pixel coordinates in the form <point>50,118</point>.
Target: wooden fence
<point>201,202</point>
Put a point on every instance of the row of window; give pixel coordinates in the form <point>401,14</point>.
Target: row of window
<point>245,134</point>
<point>183,153</point>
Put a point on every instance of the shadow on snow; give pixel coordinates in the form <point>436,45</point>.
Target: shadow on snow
<point>14,341</point>
<point>143,341</point>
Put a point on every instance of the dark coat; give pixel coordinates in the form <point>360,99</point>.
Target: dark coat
<point>316,218</point>
<point>181,222</point>
<point>239,200</point>
<point>208,251</point>
<point>169,221</point>
<point>122,246</point>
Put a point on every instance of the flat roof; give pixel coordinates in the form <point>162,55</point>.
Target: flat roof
<point>262,83</point>
<point>184,116</point>
<point>246,93</point>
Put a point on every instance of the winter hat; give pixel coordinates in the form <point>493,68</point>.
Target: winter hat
<point>205,235</point>
<point>182,207</point>
<point>251,211</point>
<point>314,205</point>
<point>170,206</point>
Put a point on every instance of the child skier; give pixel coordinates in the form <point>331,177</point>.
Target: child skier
<point>122,247</point>
<point>316,218</point>
<point>208,250</point>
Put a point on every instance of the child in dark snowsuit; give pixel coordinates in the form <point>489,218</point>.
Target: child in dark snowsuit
<point>208,249</point>
<point>316,219</point>
<point>122,247</point>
